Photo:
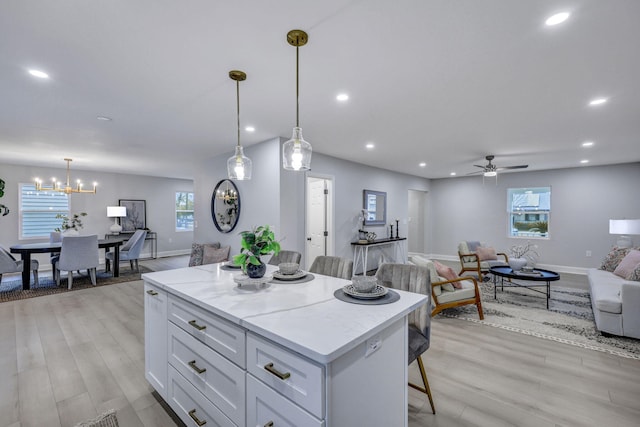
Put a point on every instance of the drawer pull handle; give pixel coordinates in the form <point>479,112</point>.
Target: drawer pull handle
<point>192,414</point>
<point>195,325</point>
<point>269,367</point>
<point>269,424</point>
<point>152,292</point>
<point>195,367</point>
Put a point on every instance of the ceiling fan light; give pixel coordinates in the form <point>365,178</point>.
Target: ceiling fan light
<point>490,173</point>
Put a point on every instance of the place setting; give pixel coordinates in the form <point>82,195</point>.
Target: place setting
<point>366,290</point>
<point>289,272</point>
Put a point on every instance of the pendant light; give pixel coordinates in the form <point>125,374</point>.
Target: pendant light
<point>296,152</point>
<point>239,165</point>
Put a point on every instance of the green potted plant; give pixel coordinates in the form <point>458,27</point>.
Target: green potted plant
<point>70,225</point>
<point>259,241</point>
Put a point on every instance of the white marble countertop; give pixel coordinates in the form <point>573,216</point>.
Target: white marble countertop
<point>304,317</point>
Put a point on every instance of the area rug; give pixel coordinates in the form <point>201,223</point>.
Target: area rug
<point>11,290</point>
<point>569,319</point>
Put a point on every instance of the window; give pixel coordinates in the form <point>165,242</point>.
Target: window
<point>38,210</point>
<point>184,211</point>
<point>529,211</point>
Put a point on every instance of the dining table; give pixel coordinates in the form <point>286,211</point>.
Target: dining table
<point>26,249</point>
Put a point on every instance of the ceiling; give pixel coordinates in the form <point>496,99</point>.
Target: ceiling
<point>434,81</point>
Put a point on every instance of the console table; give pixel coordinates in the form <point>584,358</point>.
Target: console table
<point>152,236</point>
<point>361,251</point>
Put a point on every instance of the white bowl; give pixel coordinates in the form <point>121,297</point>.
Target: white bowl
<point>364,284</point>
<point>288,267</point>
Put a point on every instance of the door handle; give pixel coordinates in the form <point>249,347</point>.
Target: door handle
<point>309,238</point>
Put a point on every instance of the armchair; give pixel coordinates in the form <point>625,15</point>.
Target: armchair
<point>451,291</point>
<point>478,258</point>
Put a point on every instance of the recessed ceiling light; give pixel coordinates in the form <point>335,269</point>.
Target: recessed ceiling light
<point>452,174</point>
<point>556,19</point>
<point>104,118</point>
<point>39,74</point>
<point>598,101</point>
<point>369,146</point>
<point>250,129</point>
<point>342,97</point>
<point>422,164</point>
<point>587,144</point>
<point>584,161</point>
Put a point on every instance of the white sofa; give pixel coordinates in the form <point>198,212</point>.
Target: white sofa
<point>615,302</point>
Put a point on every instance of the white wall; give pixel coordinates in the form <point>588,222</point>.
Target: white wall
<point>159,194</point>
<point>582,202</point>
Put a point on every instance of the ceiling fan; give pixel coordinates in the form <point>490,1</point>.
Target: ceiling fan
<point>492,170</point>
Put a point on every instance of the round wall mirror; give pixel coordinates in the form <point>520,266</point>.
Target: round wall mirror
<point>225,206</point>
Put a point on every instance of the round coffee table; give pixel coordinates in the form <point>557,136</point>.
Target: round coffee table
<point>537,278</point>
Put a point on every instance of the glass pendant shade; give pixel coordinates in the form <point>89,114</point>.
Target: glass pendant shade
<point>296,152</point>
<point>239,165</point>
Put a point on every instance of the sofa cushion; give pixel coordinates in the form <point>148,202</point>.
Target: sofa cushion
<point>628,264</point>
<point>605,291</point>
<point>459,294</point>
<point>613,258</point>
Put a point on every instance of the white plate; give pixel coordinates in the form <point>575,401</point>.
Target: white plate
<point>295,276</point>
<point>378,292</point>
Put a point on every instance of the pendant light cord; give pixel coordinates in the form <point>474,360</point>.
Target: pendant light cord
<point>238,109</point>
<point>297,91</point>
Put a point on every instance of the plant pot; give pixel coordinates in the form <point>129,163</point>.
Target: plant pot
<point>256,271</point>
<point>516,264</point>
<point>70,232</point>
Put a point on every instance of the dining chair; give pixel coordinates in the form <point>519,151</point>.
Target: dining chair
<point>78,253</point>
<point>413,278</point>
<point>334,266</point>
<point>130,251</point>
<point>285,256</point>
<point>8,264</point>
<point>54,237</point>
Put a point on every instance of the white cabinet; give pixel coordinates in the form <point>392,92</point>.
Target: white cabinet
<point>155,338</point>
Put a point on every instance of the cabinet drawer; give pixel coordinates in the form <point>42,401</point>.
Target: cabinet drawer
<point>218,379</point>
<point>265,407</point>
<point>290,374</point>
<point>222,336</point>
<point>191,406</point>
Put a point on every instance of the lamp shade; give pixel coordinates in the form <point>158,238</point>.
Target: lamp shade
<point>624,226</point>
<point>116,211</point>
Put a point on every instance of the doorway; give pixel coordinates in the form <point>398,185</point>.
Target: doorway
<point>417,236</point>
<point>319,218</point>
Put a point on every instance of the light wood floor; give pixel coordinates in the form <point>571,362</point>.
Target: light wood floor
<point>64,358</point>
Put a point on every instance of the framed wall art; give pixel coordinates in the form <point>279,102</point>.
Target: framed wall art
<point>136,215</point>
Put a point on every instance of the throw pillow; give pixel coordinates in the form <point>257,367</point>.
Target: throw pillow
<point>446,287</point>
<point>447,273</point>
<point>634,276</point>
<point>613,258</point>
<point>628,264</point>
<point>197,251</point>
<point>486,253</point>
<point>213,255</point>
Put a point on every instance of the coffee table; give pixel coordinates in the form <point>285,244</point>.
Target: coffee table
<point>537,278</point>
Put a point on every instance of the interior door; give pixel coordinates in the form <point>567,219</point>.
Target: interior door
<point>318,220</point>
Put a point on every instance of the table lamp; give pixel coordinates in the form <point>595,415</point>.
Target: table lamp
<point>624,227</point>
<point>116,212</point>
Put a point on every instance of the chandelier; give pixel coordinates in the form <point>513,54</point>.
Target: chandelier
<point>227,195</point>
<point>66,189</point>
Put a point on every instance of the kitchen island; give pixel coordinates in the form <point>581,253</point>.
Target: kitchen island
<point>275,354</point>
